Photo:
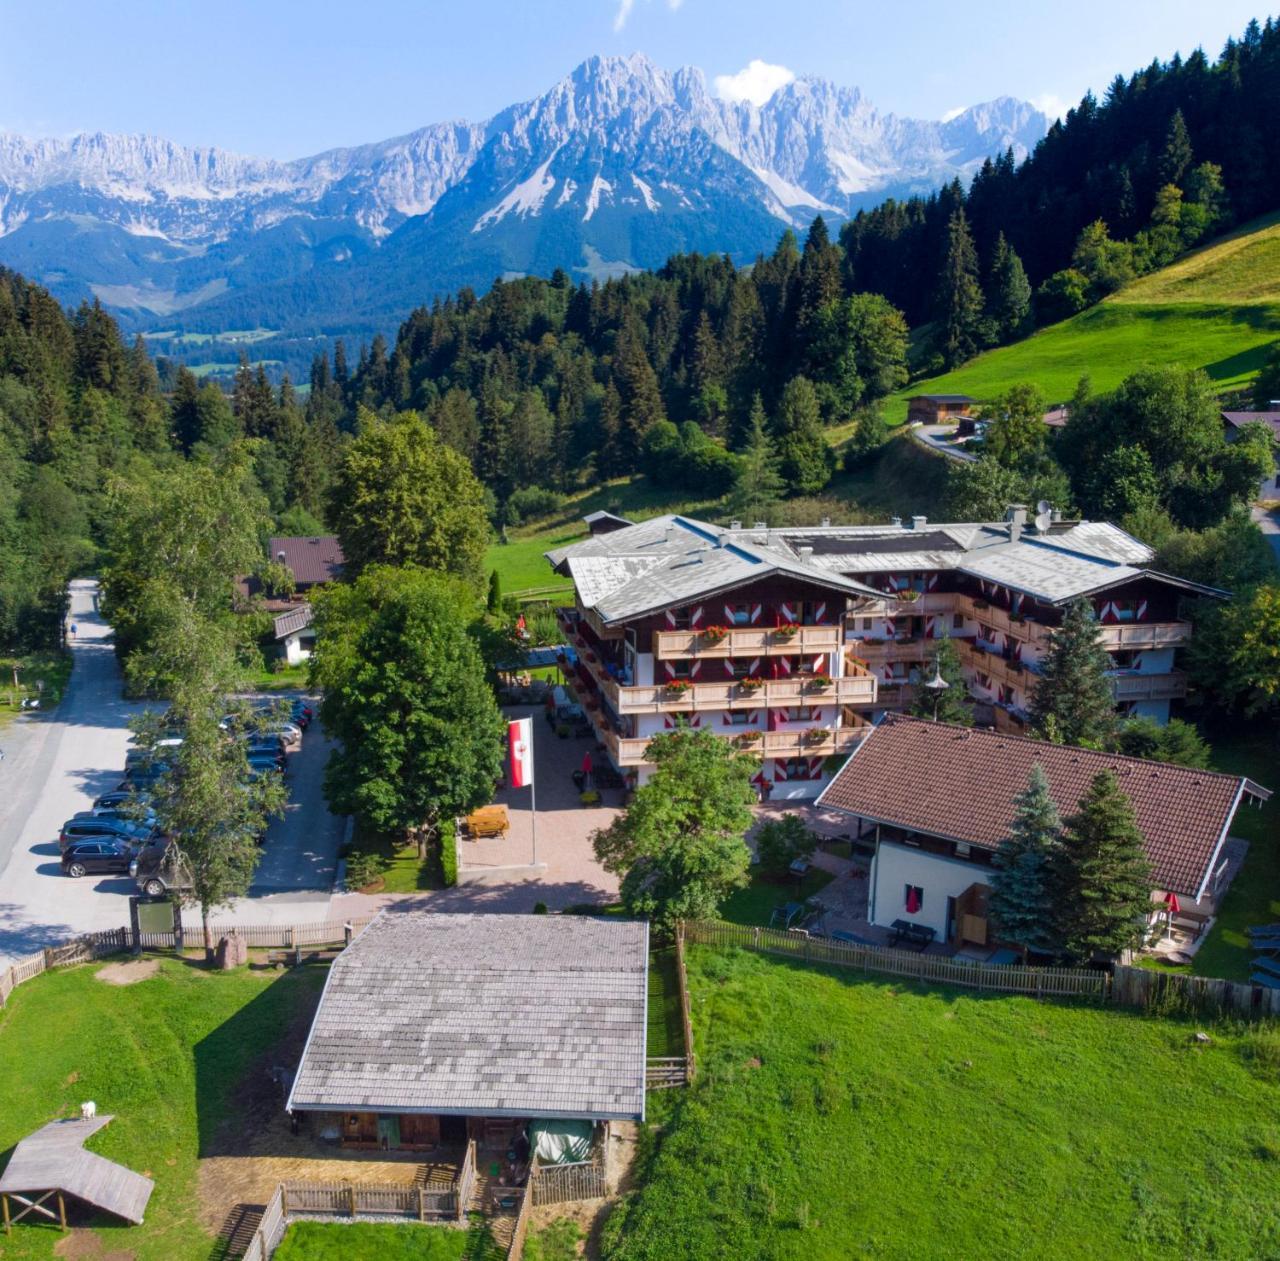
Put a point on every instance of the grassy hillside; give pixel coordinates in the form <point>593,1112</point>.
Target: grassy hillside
<point>836,1116</point>
<point>1217,309</point>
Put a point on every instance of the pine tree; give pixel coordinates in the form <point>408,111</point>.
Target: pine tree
<point>1177,157</point>
<point>1072,702</point>
<point>1104,894</point>
<point>958,304</point>
<point>759,479</point>
<point>1026,863</point>
<point>807,458</point>
<point>1009,295</point>
<point>945,704</point>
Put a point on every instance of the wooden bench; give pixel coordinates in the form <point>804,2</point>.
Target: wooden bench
<point>919,935</point>
<point>293,956</point>
<point>488,821</point>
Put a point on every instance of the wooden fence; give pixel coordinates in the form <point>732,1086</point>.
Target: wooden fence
<point>266,1239</point>
<point>1180,992</point>
<point>662,1072</point>
<point>353,1199</point>
<point>466,1182</point>
<point>1037,982</point>
<point>516,1248</point>
<point>560,1184</point>
<point>91,946</point>
<point>686,1020</point>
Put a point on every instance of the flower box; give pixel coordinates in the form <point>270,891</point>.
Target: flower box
<point>677,686</point>
<point>714,634</point>
<point>907,597</point>
<point>750,684</point>
<point>749,737</point>
<point>818,684</point>
<point>787,631</point>
<point>816,735</point>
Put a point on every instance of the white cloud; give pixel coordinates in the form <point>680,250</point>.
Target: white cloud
<point>625,8</point>
<point>756,82</point>
<point>953,113</point>
<point>1051,104</point>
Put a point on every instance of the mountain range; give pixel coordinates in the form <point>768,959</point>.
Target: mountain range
<point>616,167</point>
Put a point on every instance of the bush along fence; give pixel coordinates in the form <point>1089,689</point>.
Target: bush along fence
<point>1126,986</point>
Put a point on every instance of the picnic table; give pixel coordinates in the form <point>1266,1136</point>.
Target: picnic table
<point>800,866</point>
<point>919,935</point>
<point>488,821</point>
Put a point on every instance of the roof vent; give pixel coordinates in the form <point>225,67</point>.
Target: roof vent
<point>1016,516</point>
<point>735,524</point>
<point>826,522</point>
<point>804,550</point>
<point>918,523</point>
<point>280,557</point>
<point>896,522</point>
<point>760,525</point>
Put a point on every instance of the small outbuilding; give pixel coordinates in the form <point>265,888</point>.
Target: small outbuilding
<point>605,522</point>
<point>938,409</point>
<point>48,1166</point>
<point>445,1028</point>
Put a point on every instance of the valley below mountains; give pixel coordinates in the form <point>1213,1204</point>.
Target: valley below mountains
<point>616,167</point>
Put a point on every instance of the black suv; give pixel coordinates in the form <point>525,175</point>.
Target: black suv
<point>85,826</point>
<point>96,856</point>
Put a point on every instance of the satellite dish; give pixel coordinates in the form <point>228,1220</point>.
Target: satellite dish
<point>1043,521</point>
<point>1042,507</point>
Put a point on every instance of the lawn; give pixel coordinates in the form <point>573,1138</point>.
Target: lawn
<point>754,904</point>
<point>364,1241</point>
<point>1254,896</point>
<point>168,1057</point>
<point>837,1117</point>
<point>42,674</point>
<point>269,680</point>
<point>1217,309</point>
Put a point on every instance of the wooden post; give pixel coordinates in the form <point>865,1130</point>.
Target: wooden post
<point>351,1193</point>
<point>422,1204</point>
<point>346,934</point>
<point>62,1211</point>
<point>8,1229</point>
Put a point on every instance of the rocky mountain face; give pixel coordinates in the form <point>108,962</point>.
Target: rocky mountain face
<point>617,166</point>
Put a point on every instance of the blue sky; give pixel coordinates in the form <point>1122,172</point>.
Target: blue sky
<point>286,78</point>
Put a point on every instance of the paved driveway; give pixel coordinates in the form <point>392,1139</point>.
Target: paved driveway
<point>56,764</point>
<point>1269,524</point>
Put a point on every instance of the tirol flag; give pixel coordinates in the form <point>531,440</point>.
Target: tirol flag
<point>520,740</point>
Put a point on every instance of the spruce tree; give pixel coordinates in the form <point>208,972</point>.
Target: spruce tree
<point>958,305</point>
<point>1104,893</point>
<point>807,459</point>
<point>1009,296</point>
<point>1177,157</point>
<point>759,481</point>
<point>1022,886</point>
<point>1072,702</point>
<point>946,704</point>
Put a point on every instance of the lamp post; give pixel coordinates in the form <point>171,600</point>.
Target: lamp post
<point>936,686</point>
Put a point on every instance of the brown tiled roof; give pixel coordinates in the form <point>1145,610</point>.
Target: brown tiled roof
<point>310,558</point>
<point>1236,419</point>
<point>960,783</point>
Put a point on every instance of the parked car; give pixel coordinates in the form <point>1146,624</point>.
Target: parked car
<point>83,826</point>
<point>94,857</point>
<point>270,747</point>
<point>264,762</point>
<point>156,870</point>
<point>121,798</point>
<point>289,732</point>
<point>121,814</point>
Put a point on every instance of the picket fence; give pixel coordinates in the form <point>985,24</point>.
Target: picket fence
<point>562,1184</point>
<point>91,946</point>
<point>1038,982</point>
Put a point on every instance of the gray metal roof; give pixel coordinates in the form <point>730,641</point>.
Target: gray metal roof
<point>53,1158</point>
<point>495,1015</point>
<point>292,621</point>
<point>672,560</point>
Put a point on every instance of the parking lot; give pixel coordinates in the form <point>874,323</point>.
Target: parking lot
<point>56,764</point>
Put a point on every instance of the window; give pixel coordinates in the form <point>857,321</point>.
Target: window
<point>797,768</point>
<point>739,717</point>
<point>963,849</point>
<point>805,713</point>
<point>680,669</point>
<point>913,899</point>
<point>681,618</point>
<point>957,621</point>
<point>739,614</point>
<point>738,667</point>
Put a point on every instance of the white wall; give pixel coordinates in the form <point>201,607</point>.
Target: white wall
<point>1155,710</point>
<point>1154,661</point>
<point>896,866</point>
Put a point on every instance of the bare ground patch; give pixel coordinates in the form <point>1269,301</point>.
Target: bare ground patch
<point>84,1245</point>
<point>129,973</point>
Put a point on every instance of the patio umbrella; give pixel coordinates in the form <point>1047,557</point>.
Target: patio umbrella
<point>1172,908</point>
<point>586,768</point>
<point>913,900</point>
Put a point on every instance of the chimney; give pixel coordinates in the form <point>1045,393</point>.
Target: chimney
<point>918,523</point>
<point>1016,516</point>
<point>826,521</point>
<point>280,557</point>
<point>760,525</point>
<point>735,524</point>
<point>804,550</point>
<point>896,522</point>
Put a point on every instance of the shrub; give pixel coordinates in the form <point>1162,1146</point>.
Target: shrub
<point>364,866</point>
<point>448,856</point>
<point>779,842</point>
<point>531,502</point>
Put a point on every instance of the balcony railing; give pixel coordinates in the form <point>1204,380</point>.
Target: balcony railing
<point>1149,687</point>
<point>1112,636</point>
<point>858,689</point>
<point>745,641</point>
<point>1001,669</point>
<point>904,605</point>
<point>629,751</point>
<point>876,653</point>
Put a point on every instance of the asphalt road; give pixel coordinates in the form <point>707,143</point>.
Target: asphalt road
<point>1269,524</point>
<point>56,764</point>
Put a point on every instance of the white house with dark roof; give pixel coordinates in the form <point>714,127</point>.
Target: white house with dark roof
<point>439,1028</point>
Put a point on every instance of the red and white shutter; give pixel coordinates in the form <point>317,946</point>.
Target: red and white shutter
<point>756,611</point>
<point>820,614</point>
<point>1141,614</point>
<point>695,618</point>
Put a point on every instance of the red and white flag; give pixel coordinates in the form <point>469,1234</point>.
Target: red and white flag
<point>520,740</point>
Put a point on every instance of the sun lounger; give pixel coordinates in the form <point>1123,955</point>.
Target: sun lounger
<point>1270,966</point>
<point>1270,982</point>
<point>918,935</point>
<point>851,939</point>
<point>1264,943</point>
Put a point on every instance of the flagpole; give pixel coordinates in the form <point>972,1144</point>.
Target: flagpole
<point>533,796</point>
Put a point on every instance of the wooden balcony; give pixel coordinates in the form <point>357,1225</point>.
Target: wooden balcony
<point>877,653</point>
<point>998,619</point>
<point>858,689</point>
<point>998,668</point>
<point>906,605</point>
<point>746,641</point>
<point>1145,635</point>
<point>1149,687</point>
<point>627,751</point>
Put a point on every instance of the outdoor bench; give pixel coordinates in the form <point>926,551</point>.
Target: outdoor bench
<point>915,934</point>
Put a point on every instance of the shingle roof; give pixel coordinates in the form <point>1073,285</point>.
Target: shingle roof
<point>1271,418</point>
<point>960,783</point>
<point>54,1158</point>
<point>944,398</point>
<point>516,1015</point>
<point>292,620</point>
<point>310,558</point>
